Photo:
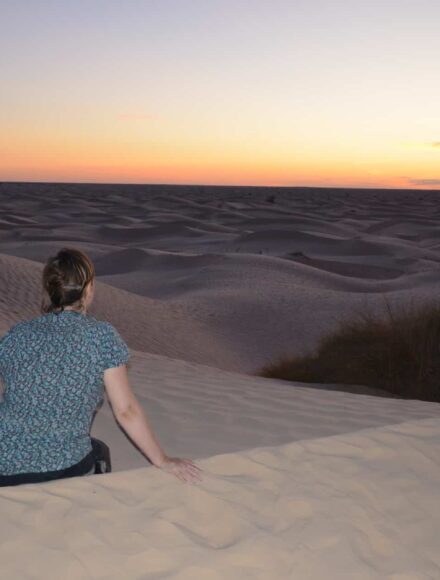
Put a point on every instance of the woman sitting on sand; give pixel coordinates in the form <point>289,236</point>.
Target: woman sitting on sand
<point>54,368</point>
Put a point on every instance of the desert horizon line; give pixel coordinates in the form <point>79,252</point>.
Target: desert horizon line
<point>247,186</point>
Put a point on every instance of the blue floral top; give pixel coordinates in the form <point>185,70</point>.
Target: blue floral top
<point>52,369</point>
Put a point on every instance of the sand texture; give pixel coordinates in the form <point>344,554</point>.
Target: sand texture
<point>206,285</point>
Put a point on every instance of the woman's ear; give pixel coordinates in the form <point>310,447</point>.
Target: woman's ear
<point>91,289</point>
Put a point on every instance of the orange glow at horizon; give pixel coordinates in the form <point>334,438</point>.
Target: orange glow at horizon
<point>239,163</point>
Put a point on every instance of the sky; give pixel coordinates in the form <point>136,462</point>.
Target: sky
<point>332,93</point>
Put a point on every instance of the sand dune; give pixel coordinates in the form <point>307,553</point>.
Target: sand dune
<point>206,285</point>
<point>363,505</point>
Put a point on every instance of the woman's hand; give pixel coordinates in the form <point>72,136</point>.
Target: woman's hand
<point>184,469</point>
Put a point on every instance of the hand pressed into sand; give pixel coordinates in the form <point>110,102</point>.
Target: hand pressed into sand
<point>183,469</point>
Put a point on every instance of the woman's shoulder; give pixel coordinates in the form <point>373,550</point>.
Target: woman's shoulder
<point>102,326</point>
<point>14,329</point>
<point>9,338</point>
<point>103,329</point>
<point>100,329</point>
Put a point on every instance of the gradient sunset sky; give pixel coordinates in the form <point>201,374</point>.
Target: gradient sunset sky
<point>251,92</point>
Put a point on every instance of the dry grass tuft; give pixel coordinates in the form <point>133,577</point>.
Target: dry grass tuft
<point>398,352</point>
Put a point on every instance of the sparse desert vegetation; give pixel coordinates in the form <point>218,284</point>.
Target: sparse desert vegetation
<point>397,351</point>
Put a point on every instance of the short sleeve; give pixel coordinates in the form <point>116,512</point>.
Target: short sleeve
<point>113,349</point>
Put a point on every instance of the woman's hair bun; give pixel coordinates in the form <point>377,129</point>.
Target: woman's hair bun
<point>65,277</point>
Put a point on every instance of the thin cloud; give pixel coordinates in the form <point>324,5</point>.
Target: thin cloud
<point>423,181</point>
<point>421,145</point>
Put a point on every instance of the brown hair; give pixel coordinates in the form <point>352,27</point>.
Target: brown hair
<point>65,277</point>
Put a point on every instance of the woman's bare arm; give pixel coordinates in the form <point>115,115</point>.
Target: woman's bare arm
<point>130,415</point>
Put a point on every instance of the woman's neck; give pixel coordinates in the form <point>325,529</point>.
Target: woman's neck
<point>68,309</point>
